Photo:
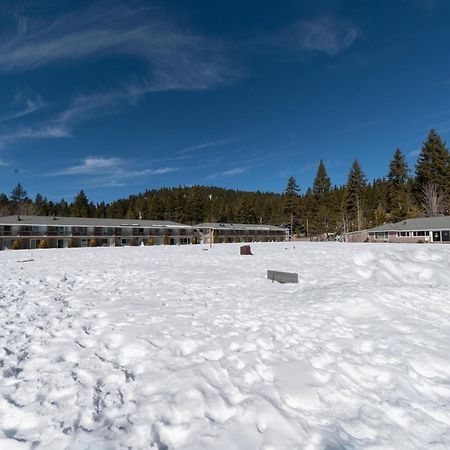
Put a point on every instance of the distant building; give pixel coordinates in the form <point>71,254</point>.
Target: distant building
<point>60,232</point>
<point>423,229</point>
<point>239,232</point>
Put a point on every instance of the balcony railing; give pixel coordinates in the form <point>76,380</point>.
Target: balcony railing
<point>77,233</point>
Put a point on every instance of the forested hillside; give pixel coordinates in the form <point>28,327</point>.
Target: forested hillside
<point>324,208</point>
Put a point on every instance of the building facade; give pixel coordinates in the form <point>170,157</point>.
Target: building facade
<point>419,230</point>
<point>30,232</point>
<point>61,232</point>
<point>238,232</point>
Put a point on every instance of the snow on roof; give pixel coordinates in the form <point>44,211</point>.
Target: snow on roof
<point>240,226</point>
<point>420,223</point>
<point>88,222</point>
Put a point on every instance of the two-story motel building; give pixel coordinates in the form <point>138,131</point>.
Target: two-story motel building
<point>61,232</point>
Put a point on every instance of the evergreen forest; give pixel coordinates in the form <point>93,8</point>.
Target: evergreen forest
<point>323,209</point>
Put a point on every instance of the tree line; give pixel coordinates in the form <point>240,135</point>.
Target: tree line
<point>323,209</point>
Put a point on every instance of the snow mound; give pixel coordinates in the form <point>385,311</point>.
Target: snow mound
<point>178,348</point>
<point>415,267</point>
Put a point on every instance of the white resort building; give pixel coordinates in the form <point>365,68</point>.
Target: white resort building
<point>419,230</point>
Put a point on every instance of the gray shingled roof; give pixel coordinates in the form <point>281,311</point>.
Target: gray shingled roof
<point>85,222</point>
<point>385,227</point>
<point>418,224</point>
<point>239,226</point>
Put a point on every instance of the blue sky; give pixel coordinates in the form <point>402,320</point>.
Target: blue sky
<point>118,97</point>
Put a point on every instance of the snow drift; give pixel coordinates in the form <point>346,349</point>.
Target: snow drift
<point>181,348</point>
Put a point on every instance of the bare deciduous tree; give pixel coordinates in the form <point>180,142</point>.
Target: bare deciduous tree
<point>433,200</point>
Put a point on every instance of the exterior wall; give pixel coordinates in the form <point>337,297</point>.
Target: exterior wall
<point>399,240</point>
<point>233,235</point>
<point>77,236</point>
<point>61,236</point>
<point>394,237</point>
<point>357,236</point>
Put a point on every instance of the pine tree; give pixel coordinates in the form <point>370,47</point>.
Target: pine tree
<point>433,165</point>
<point>155,209</point>
<point>4,205</point>
<point>398,195</point>
<point>320,207</point>
<point>195,206</point>
<point>322,183</point>
<point>40,205</point>
<point>101,210</point>
<point>245,212</point>
<point>80,206</point>
<point>291,201</point>
<point>355,195</point>
<point>18,196</point>
<point>398,169</point>
<point>179,205</point>
<point>380,215</point>
<point>61,209</point>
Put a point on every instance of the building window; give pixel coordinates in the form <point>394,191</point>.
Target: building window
<point>436,236</point>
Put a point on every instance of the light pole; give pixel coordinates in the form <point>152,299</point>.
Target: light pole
<point>211,231</point>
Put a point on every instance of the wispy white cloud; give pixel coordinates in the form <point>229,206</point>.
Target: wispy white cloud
<point>159,171</point>
<point>205,145</point>
<point>50,131</point>
<point>329,35</point>
<point>235,171</point>
<point>93,165</point>
<point>176,58</point>
<point>4,163</point>
<point>110,172</point>
<point>24,107</point>
<point>86,106</point>
<point>325,35</point>
<point>80,109</point>
<point>228,173</point>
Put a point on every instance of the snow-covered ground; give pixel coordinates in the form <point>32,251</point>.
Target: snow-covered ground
<point>183,348</point>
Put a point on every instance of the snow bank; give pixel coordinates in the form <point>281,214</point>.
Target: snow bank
<point>178,347</point>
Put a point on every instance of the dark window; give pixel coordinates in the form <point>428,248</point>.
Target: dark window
<point>446,235</point>
<point>436,236</point>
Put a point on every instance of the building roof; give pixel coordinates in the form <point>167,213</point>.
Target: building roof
<point>239,226</point>
<point>385,227</point>
<point>87,222</point>
<point>418,224</point>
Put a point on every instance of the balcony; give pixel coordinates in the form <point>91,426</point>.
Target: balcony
<point>113,232</point>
